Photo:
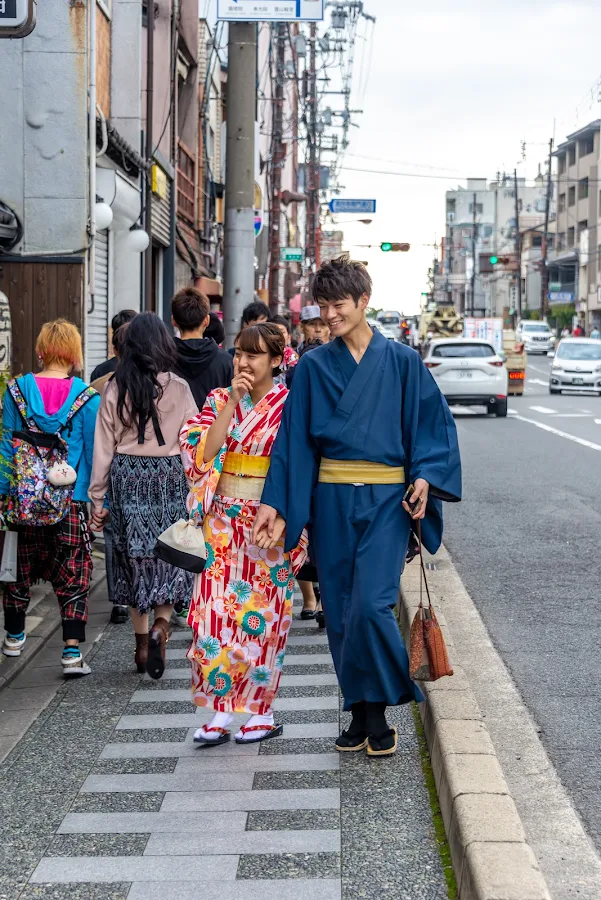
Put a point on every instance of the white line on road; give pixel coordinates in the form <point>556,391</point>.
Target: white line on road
<point>542,371</point>
<point>597,421</point>
<point>538,381</point>
<point>563,434</point>
<point>543,409</point>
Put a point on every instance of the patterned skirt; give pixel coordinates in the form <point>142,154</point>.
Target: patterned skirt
<point>146,495</point>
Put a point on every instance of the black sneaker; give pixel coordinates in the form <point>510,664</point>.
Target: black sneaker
<point>119,615</point>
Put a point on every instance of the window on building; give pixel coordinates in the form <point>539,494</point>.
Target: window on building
<point>572,156</point>
<point>583,188</point>
<point>561,240</point>
<point>550,242</point>
<point>571,236</point>
<point>537,240</point>
<point>572,196</point>
<point>479,208</point>
<point>582,226</point>
<point>561,163</point>
<point>562,203</point>
<point>586,146</point>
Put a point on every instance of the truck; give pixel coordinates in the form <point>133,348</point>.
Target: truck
<point>441,320</point>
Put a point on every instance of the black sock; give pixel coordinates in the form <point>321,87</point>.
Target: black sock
<point>359,721</point>
<point>376,718</point>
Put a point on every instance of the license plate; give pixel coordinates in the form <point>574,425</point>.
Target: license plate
<point>465,374</point>
<point>577,380</point>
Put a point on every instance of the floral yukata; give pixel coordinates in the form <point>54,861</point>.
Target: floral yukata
<point>241,608</point>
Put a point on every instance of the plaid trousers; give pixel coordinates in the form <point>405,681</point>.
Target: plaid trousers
<point>62,555</point>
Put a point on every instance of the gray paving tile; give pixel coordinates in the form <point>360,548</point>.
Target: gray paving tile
<point>312,679</point>
<point>129,766</point>
<point>212,781</point>
<point>297,658</point>
<point>417,870</point>
<point>118,802</point>
<point>91,844</point>
<point>176,750</point>
<point>317,640</point>
<point>285,745</point>
<point>130,868</point>
<point>214,843</point>
<point>156,705</point>
<point>171,673</point>
<point>148,735</point>
<point>149,822</point>
<point>309,716</point>
<point>179,695</point>
<point>224,801</point>
<point>275,889</point>
<point>75,892</point>
<point>290,865</point>
<point>146,721</point>
<point>309,675</point>
<point>172,652</point>
<point>293,649</point>
<point>309,668</point>
<point>302,628</point>
<point>205,763</point>
<point>183,636</point>
<point>295,819</point>
<point>303,691</point>
<point>288,780</point>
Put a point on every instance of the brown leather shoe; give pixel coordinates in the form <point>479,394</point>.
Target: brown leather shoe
<point>141,657</point>
<point>159,635</point>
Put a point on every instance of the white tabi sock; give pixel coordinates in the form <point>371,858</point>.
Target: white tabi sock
<point>219,720</point>
<point>253,722</point>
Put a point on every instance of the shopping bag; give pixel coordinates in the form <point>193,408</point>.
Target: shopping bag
<point>8,566</point>
<point>428,657</point>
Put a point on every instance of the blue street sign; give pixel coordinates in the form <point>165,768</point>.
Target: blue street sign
<point>352,206</point>
<point>270,10</point>
<point>560,297</point>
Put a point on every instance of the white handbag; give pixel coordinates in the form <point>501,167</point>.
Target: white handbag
<point>183,545</point>
<point>8,566</point>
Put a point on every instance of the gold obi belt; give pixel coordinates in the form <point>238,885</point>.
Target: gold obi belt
<point>243,476</point>
<point>359,471</point>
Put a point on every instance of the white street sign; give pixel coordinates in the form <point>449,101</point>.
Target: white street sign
<point>270,10</point>
<point>17,18</point>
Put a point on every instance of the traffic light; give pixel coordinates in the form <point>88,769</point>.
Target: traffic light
<point>493,260</point>
<point>499,260</point>
<point>390,247</point>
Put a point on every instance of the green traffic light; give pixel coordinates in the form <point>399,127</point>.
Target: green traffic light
<point>386,247</point>
<point>493,260</point>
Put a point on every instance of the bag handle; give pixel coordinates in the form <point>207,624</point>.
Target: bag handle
<point>423,580</point>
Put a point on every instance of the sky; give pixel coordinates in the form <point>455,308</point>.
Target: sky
<point>453,90</point>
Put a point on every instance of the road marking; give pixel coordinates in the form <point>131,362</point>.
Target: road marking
<point>543,409</point>
<point>538,381</point>
<point>597,421</point>
<point>542,371</point>
<point>563,434</point>
<point>571,415</point>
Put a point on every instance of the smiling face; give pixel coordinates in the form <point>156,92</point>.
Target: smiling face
<point>253,358</point>
<point>343,315</point>
<point>316,329</point>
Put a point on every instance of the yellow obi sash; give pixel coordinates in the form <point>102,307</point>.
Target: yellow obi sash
<point>243,476</point>
<point>359,471</point>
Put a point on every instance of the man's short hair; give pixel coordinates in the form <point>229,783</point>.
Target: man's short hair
<point>252,312</point>
<point>215,330</point>
<point>340,278</point>
<point>189,308</point>
<point>122,318</point>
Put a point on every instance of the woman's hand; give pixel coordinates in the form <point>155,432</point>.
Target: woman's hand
<point>241,384</point>
<point>98,520</point>
<point>420,494</point>
<point>267,540</point>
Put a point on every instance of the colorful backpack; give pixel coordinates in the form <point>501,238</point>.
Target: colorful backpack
<point>42,481</point>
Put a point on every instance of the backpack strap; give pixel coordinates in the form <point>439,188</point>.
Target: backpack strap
<point>21,404</point>
<point>80,401</point>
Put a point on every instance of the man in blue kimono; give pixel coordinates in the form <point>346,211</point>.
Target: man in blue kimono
<point>364,421</point>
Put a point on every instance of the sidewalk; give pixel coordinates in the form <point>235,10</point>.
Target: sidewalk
<point>107,798</point>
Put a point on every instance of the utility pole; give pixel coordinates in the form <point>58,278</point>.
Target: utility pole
<point>277,161</point>
<point>312,251</point>
<point>544,280</point>
<point>474,239</point>
<point>148,279</point>
<point>239,245</point>
<point>518,243</point>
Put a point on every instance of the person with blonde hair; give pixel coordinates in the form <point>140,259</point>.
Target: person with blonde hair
<point>45,464</point>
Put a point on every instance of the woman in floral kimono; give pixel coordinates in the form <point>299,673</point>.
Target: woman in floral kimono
<point>241,609</point>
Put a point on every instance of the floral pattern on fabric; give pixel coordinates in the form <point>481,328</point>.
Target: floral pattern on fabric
<point>241,608</point>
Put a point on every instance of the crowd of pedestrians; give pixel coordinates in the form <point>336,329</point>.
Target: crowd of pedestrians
<point>176,428</point>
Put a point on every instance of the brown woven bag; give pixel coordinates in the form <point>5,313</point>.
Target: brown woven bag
<point>428,657</point>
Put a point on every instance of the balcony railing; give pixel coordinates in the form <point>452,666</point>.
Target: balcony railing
<point>186,184</point>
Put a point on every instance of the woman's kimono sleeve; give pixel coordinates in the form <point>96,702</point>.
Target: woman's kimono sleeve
<point>294,461</point>
<point>202,476</point>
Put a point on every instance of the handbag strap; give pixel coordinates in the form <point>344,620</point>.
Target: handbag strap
<point>423,580</point>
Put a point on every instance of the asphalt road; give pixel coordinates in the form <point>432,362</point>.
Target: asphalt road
<point>527,543</point>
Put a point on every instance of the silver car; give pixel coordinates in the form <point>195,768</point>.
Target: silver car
<point>537,337</point>
<point>576,366</point>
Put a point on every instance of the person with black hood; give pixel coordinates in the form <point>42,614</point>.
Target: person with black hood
<point>199,360</point>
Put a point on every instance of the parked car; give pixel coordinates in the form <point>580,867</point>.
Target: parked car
<point>387,332</point>
<point>537,337</point>
<point>392,321</point>
<point>576,366</point>
<point>469,372</point>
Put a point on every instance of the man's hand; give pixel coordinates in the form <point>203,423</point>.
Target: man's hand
<point>268,528</point>
<point>420,494</point>
<point>99,519</point>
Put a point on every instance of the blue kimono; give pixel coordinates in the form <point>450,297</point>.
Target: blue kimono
<point>386,409</point>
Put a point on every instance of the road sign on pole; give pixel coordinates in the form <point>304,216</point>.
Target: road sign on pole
<point>270,10</point>
<point>17,18</point>
<point>352,206</point>
<point>291,254</point>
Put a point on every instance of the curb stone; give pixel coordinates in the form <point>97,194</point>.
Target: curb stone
<point>491,857</point>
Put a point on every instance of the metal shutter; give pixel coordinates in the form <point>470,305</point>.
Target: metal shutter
<point>161,216</point>
<point>97,343</point>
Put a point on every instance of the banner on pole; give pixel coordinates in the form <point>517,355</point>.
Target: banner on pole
<point>270,10</point>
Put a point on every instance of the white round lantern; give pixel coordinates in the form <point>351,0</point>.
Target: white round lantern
<point>104,216</point>
<point>137,239</point>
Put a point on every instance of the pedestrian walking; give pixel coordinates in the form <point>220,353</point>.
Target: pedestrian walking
<point>109,366</point>
<point>138,467</point>
<point>595,333</point>
<point>242,603</point>
<point>255,313</point>
<point>200,362</point>
<point>365,421</point>
<point>313,326</point>
<point>46,457</point>
<point>290,358</point>
<point>215,329</point>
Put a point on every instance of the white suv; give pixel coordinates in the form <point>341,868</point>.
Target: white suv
<point>469,372</point>
<point>536,336</point>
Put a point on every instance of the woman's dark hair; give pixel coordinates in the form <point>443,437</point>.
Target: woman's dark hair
<point>122,318</point>
<point>340,278</point>
<point>148,349</point>
<point>252,312</point>
<point>261,337</point>
<point>119,339</point>
<point>215,331</point>
<point>282,320</point>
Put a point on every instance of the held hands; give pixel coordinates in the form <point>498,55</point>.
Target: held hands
<point>241,385</point>
<point>268,528</point>
<point>98,520</point>
<point>419,495</point>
